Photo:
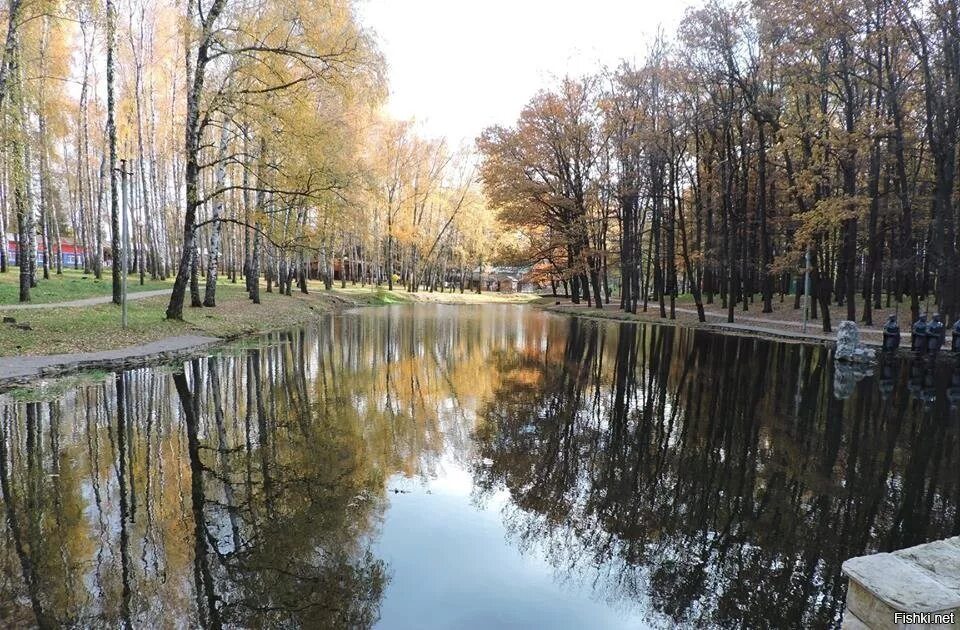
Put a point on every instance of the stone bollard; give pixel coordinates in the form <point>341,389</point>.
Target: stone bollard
<point>936,335</point>
<point>849,348</point>
<point>918,336</point>
<point>891,334</point>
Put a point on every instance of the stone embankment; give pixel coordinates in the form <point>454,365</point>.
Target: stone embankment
<point>917,588</point>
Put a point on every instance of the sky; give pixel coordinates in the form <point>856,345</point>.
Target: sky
<point>458,66</point>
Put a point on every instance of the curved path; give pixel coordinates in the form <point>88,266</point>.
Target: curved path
<point>21,369</point>
<point>93,301</point>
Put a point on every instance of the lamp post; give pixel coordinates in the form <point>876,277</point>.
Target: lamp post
<point>806,292</point>
<point>124,208</point>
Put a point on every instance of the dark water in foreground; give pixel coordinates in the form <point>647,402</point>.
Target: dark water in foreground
<point>467,467</point>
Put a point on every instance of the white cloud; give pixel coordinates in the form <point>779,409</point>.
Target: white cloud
<point>458,66</point>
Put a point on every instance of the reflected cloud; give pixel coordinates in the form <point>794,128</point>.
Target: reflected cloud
<point>680,477</point>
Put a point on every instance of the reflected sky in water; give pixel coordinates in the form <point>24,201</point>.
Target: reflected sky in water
<point>471,467</point>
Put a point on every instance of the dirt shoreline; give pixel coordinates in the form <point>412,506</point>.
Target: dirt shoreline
<point>23,370</point>
<point>18,371</point>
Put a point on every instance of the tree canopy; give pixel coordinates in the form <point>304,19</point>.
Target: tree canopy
<point>759,133</point>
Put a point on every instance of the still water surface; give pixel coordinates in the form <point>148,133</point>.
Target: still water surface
<point>468,467</point>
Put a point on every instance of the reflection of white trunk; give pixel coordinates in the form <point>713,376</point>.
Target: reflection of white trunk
<point>213,256</point>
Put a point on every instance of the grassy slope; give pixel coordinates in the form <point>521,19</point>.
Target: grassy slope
<point>90,328</point>
<point>72,285</point>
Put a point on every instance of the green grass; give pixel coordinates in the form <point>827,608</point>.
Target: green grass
<point>382,295</point>
<point>92,328</point>
<point>385,296</point>
<point>371,295</point>
<point>71,285</point>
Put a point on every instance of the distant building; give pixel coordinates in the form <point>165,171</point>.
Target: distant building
<point>70,254</point>
<point>509,279</point>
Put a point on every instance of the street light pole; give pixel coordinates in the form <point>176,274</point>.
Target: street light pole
<point>125,207</point>
<point>806,292</point>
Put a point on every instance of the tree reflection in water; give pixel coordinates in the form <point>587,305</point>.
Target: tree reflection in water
<point>711,480</point>
<point>716,479</point>
<point>178,498</point>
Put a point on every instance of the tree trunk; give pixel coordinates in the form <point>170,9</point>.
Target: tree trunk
<point>112,151</point>
<point>193,131</point>
<point>195,301</point>
<point>18,171</point>
<point>216,228</point>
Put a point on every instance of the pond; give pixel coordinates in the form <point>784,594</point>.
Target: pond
<point>428,466</point>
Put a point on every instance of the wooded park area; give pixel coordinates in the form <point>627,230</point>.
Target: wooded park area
<point>253,143</point>
<point>761,132</point>
<point>758,136</point>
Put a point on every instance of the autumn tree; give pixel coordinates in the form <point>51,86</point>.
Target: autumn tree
<point>542,171</point>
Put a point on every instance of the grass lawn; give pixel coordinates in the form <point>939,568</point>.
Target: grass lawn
<point>72,285</point>
<point>399,295</point>
<point>91,328</point>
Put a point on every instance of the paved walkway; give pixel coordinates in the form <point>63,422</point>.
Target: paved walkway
<point>15,370</point>
<point>100,299</point>
<point>813,326</point>
<point>814,330</point>
<point>785,329</point>
<point>810,335</point>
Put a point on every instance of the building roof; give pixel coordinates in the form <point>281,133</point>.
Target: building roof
<point>67,244</point>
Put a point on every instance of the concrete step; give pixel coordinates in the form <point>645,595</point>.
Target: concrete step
<point>921,580</point>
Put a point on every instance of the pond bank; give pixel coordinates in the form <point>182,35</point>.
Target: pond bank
<point>743,326</point>
<point>24,369</point>
<point>688,319</point>
<point>64,340</point>
<point>67,339</point>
